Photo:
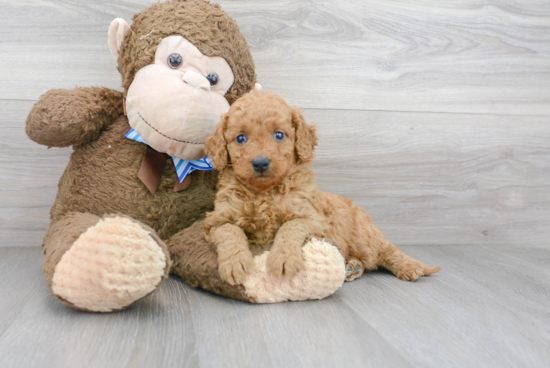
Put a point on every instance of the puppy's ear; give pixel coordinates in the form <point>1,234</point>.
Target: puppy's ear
<point>306,139</point>
<point>215,145</point>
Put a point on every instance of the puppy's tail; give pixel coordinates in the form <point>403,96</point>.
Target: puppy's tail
<point>431,270</point>
<point>403,266</point>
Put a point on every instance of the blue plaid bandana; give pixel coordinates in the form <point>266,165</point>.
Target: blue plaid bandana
<point>183,167</point>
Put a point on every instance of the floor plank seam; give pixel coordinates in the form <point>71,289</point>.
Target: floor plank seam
<point>365,110</point>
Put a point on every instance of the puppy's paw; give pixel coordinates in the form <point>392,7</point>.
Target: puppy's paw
<point>354,269</point>
<point>283,264</point>
<point>411,271</point>
<point>235,270</point>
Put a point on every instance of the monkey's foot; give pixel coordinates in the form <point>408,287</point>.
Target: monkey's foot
<point>110,266</point>
<point>323,273</point>
<point>354,269</point>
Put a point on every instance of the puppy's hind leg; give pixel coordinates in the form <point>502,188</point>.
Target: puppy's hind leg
<point>401,265</point>
<point>377,251</point>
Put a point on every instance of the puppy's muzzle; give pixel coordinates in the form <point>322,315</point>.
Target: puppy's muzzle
<point>261,164</point>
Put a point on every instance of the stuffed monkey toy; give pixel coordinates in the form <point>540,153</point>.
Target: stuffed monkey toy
<point>131,201</point>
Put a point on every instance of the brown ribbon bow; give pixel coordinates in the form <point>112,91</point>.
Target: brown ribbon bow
<point>152,167</point>
<point>151,170</point>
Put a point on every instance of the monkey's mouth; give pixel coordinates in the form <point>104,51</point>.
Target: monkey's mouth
<point>164,135</point>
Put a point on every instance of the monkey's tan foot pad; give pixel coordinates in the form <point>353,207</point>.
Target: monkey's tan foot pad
<point>323,273</point>
<point>110,266</point>
<point>354,270</point>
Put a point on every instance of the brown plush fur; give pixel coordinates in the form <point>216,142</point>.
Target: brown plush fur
<point>101,177</point>
<point>63,118</point>
<point>203,24</point>
<point>282,207</point>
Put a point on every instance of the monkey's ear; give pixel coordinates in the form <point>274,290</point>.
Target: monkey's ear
<point>306,139</point>
<point>117,31</point>
<point>215,145</point>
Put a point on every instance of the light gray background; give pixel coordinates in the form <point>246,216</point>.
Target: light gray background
<point>433,116</point>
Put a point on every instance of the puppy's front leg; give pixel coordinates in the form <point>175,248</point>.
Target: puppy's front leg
<point>285,257</point>
<point>235,261</point>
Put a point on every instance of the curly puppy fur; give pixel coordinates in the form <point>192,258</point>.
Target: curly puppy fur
<point>281,207</point>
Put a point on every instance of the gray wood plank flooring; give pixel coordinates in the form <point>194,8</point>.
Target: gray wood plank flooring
<point>488,307</point>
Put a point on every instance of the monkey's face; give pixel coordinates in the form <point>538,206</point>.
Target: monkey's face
<point>175,103</point>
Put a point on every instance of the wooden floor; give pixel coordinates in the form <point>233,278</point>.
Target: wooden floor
<point>432,115</point>
<point>488,307</point>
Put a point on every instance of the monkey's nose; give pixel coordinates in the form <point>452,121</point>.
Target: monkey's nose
<point>260,164</point>
<point>196,80</point>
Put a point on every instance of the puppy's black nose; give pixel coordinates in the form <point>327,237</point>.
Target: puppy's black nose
<point>260,164</point>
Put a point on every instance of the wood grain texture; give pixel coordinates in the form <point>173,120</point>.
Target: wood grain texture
<point>486,308</point>
<point>425,178</point>
<point>432,178</point>
<point>29,174</point>
<point>466,56</point>
<point>433,116</point>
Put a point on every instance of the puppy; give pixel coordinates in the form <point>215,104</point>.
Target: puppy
<point>267,199</point>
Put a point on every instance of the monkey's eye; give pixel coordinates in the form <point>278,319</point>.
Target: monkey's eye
<point>279,136</point>
<point>241,139</point>
<point>212,78</point>
<point>175,61</point>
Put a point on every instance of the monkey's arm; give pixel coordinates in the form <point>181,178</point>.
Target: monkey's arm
<point>64,117</point>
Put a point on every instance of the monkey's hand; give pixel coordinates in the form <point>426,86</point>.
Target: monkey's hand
<point>64,117</point>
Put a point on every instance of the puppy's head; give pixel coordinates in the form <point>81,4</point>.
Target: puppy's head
<point>263,139</point>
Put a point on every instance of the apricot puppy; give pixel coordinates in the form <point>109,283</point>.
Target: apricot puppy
<point>267,198</point>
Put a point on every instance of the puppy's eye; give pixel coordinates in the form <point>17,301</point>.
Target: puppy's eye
<point>279,136</point>
<point>241,139</point>
<point>212,78</point>
<point>175,61</point>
